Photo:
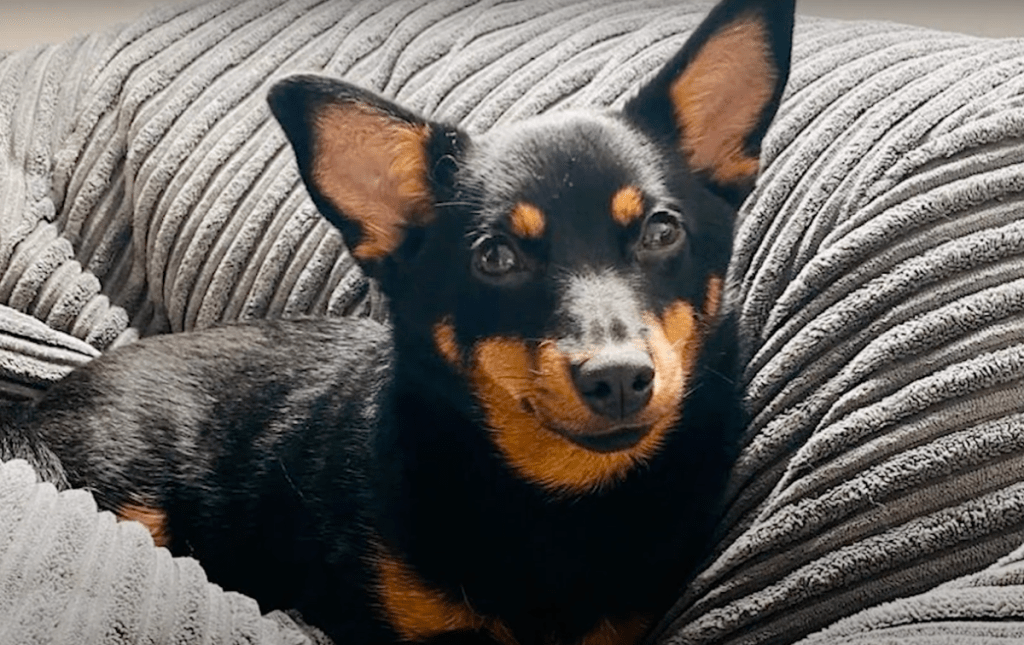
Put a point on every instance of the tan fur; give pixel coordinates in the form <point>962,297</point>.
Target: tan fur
<point>532,405</point>
<point>527,221</point>
<point>447,346</point>
<point>719,98</point>
<point>154,519</point>
<point>627,205</point>
<point>373,169</point>
<point>417,611</point>
<point>619,632</point>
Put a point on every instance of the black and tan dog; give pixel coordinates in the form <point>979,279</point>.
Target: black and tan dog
<point>535,450</point>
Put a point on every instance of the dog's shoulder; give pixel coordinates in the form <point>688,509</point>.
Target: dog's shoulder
<point>259,350</point>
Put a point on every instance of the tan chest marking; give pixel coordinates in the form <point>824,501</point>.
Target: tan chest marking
<point>417,611</point>
<point>617,632</point>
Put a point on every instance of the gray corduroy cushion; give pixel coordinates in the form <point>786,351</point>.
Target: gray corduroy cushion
<point>879,270</point>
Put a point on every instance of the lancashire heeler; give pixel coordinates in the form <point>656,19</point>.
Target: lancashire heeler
<point>534,451</point>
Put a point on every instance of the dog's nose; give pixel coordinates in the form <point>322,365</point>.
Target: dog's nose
<point>616,383</point>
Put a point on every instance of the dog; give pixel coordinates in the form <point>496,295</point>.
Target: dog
<point>534,449</point>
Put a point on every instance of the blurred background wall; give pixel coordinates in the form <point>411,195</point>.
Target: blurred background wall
<point>28,22</point>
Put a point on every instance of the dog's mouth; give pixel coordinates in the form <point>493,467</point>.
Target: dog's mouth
<point>615,440</point>
<point>605,440</point>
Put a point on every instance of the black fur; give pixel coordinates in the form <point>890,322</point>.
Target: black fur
<point>286,455</point>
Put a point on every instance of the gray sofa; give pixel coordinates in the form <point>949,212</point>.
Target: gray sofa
<point>878,278</point>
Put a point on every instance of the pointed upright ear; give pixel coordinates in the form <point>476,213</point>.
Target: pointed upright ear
<point>715,98</point>
<point>368,164</point>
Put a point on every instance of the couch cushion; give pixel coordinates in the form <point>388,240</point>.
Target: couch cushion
<point>878,269</point>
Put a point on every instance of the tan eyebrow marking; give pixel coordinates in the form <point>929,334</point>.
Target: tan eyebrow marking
<point>627,205</point>
<point>527,221</point>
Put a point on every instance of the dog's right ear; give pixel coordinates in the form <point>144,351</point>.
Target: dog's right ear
<point>370,166</point>
<point>713,101</point>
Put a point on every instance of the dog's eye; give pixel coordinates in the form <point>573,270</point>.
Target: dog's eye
<point>662,230</point>
<point>496,257</point>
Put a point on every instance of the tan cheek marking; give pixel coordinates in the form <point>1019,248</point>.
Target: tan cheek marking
<point>627,205</point>
<point>518,398</point>
<point>447,345</point>
<point>541,456</point>
<point>154,519</point>
<point>680,324</point>
<point>719,99</point>
<point>713,298</point>
<point>675,346</point>
<point>418,612</point>
<point>670,377</point>
<point>504,368</point>
<point>373,169</point>
<point>527,221</point>
<point>618,632</point>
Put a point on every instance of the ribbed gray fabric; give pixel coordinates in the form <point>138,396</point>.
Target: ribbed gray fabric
<point>69,574</point>
<point>879,273</point>
<point>34,355</point>
<point>980,608</point>
<point>879,269</point>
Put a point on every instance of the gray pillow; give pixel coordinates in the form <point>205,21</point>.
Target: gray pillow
<point>878,277</point>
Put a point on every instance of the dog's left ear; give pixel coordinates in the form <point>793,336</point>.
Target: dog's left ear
<point>372,168</point>
<point>715,98</point>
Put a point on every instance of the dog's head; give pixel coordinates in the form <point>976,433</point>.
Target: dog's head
<point>567,268</point>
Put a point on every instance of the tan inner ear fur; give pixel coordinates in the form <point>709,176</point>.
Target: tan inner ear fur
<point>373,170</point>
<point>719,99</point>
